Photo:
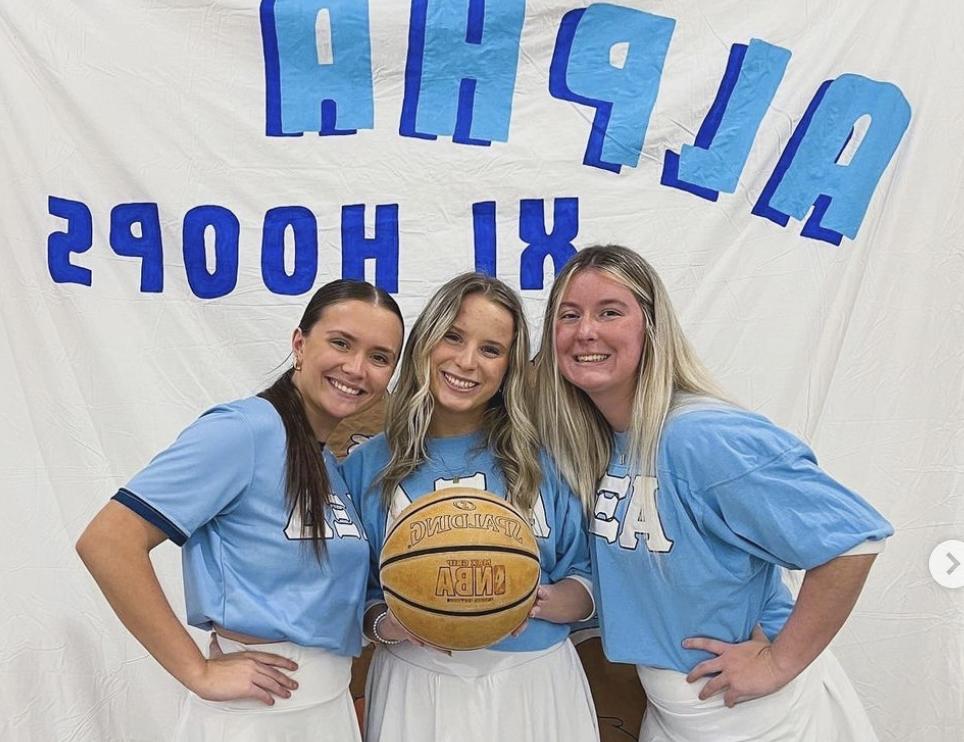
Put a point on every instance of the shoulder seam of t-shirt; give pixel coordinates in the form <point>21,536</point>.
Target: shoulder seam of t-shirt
<point>698,403</point>
<point>777,457</point>
<point>692,403</point>
<point>703,404</point>
<point>254,451</point>
<point>237,409</point>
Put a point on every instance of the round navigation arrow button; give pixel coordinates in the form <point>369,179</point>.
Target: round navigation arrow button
<point>947,564</point>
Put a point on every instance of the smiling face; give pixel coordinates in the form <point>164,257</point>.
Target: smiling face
<point>346,361</point>
<point>468,364</point>
<point>599,334</point>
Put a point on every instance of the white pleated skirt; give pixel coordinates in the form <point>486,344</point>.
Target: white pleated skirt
<point>819,705</point>
<point>319,710</point>
<point>416,694</point>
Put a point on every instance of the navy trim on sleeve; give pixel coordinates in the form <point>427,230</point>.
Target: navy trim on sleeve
<point>150,514</point>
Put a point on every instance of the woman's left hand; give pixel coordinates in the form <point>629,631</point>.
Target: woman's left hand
<point>743,671</point>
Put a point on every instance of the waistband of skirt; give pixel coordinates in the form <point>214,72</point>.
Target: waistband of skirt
<point>321,676</point>
<point>669,691</point>
<point>470,664</point>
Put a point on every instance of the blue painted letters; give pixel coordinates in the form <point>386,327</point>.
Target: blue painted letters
<point>318,69</point>
<point>146,245</point>
<point>461,69</point>
<point>716,160</point>
<point>78,238</point>
<point>623,94</point>
<point>305,231</point>
<point>483,228</point>
<point>556,244</point>
<point>382,248</point>
<point>810,174</point>
<point>227,231</point>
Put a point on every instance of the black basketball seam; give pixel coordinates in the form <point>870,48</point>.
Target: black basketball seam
<point>467,614</point>
<point>501,504</point>
<point>443,549</point>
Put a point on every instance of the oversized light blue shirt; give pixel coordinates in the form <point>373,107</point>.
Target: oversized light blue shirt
<point>557,518</point>
<point>696,550</point>
<point>219,492</point>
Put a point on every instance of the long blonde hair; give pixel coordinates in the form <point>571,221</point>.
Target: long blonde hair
<point>572,428</point>
<point>509,431</point>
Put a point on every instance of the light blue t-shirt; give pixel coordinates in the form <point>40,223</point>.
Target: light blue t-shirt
<point>557,517</point>
<point>695,551</point>
<point>219,492</point>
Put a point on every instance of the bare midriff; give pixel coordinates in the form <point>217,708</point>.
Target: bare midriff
<point>243,638</point>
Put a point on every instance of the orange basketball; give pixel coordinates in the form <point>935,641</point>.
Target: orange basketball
<point>460,568</point>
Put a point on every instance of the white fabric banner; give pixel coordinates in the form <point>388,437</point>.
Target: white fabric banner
<point>178,175</point>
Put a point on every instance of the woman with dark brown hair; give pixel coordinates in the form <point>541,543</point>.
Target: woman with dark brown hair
<point>275,561</point>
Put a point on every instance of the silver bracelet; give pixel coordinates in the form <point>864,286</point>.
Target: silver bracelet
<point>378,637</point>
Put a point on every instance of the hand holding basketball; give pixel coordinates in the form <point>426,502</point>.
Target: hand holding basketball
<point>390,629</point>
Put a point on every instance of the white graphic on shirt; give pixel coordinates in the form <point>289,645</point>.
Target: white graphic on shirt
<point>341,519</point>
<point>344,526</point>
<point>400,501</point>
<point>475,482</point>
<point>641,516</point>
<point>539,521</point>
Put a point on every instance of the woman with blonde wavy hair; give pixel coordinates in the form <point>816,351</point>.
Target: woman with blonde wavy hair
<point>694,505</point>
<point>459,417</point>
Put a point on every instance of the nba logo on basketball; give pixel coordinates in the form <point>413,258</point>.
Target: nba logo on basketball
<point>476,578</point>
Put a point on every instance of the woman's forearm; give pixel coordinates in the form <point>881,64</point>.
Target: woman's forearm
<point>826,598</point>
<point>115,548</point>
<point>756,667</point>
<point>566,601</point>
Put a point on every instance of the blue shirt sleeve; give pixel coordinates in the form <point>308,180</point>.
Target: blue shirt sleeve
<point>572,542</point>
<point>759,488</point>
<point>200,475</point>
<point>359,471</point>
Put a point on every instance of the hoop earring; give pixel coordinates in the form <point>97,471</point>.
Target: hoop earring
<point>297,365</point>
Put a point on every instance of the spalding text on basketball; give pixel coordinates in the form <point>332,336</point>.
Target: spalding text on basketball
<point>421,529</point>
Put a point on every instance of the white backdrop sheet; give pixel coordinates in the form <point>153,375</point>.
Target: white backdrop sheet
<point>160,135</point>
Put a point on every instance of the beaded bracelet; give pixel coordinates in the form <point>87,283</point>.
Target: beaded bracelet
<point>378,637</point>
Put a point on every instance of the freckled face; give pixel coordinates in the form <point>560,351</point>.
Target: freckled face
<point>599,338</point>
<point>468,365</point>
<point>346,360</point>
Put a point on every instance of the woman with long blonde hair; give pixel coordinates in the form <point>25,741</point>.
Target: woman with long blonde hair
<point>694,505</point>
<point>459,417</point>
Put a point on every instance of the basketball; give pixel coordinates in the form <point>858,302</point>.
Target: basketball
<point>460,568</point>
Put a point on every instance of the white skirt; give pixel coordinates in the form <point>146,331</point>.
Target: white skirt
<point>416,694</point>
<point>319,710</point>
<point>819,705</point>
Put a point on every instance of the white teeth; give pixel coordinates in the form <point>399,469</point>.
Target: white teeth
<point>592,358</point>
<point>459,383</point>
<point>344,387</point>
